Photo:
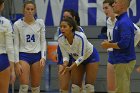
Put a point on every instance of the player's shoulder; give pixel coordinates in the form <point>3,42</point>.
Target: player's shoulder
<point>61,37</point>
<point>40,21</point>
<point>79,33</point>
<point>5,21</point>
<point>18,22</point>
<point>81,29</point>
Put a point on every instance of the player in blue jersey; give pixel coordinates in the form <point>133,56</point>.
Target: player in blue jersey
<point>123,55</point>
<point>6,52</point>
<point>108,10</point>
<point>30,49</point>
<point>79,56</point>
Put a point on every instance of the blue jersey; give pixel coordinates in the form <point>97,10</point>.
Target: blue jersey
<point>123,35</point>
<point>110,26</point>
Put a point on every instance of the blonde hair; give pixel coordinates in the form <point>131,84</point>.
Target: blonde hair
<point>108,1</point>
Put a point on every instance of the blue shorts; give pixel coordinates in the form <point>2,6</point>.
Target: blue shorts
<point>4,62</point>
<point>30,58</point>
<point>110,57</point>
<point>94,57</point>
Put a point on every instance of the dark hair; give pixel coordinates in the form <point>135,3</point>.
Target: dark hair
<point>1,1</point>
<point>28,2</point>
<point>74,14</point>
<point>109,1</point>
<point>71,22</point>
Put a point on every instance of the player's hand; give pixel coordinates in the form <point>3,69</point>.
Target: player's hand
<point>67,69</point>
<point>138,69</point>
<point>105,44</point>
<point>62,69</point>
<point>18,68</point>
<point>12,77</point>
<point>42,63</point>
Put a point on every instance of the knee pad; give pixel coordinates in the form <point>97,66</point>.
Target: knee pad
<point>35,89</point>
<point>75,88</point>
<point>89,88</point>
<point>23,89</point>
<point>83,89</point>
<point>63,91</point>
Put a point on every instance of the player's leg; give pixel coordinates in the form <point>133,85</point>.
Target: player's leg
<point>92,65</point>
<point>77,78</point>
<point>123,76</point>
<point>64,80</point>
<point>4,80</point>
<point>4,73</point>
<point>36,73</point>
<point>24,77</point>
<point>91,74</point>
<point>110,78</point>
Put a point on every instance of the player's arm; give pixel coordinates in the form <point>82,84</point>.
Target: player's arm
<point>64,53</point>
<point>16,43</point>
<point>9,42</point>
<point>82,46</point>
<point>10,50</point>
<point>43,41</point>
<point>137,34</point>
<point>82,49</point>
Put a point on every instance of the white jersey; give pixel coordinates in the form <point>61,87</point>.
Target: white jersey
<point>29,38</point>
<point>110,26</point>
<point>137,35</point>
<point>80,49</point>
<point>6,38</point>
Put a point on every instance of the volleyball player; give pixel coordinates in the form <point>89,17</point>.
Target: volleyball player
<point>6,53</point>
<point>30,49</point>
<point>79,56</point>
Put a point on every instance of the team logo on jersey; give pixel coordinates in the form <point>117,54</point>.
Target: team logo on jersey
<point>80,59</point>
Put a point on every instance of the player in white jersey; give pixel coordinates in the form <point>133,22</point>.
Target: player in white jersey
<point>108,10</point>
<point>6,52</point>
<point>79,56</point>
<point>64,80</point>
<point>30,48</point>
